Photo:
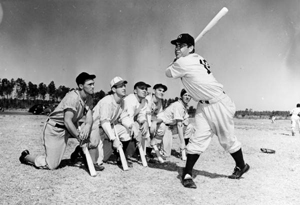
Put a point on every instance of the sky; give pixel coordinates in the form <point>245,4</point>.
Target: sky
<point>254,50</point>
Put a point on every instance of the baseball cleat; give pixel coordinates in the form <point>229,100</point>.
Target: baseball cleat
<point>189,183</point>
<point>23,155</point>
<point>238,172</point>
<point>99,167</point>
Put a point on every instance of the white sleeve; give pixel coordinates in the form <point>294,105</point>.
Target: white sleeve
<point>175,70</point>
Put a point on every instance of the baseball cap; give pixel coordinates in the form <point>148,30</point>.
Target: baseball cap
<point>183,91</point>
<point>82,77</point>
<point>160,86</point>
<point>140,84</point>
<point>117,81</point>
<point>184,38</point>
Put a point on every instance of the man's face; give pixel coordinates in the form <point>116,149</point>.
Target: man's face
<point>159,93</point>
<point>121,90</point>
<point>182,50</point>
<point>186,98</point>
<point>88,87</point>
<point>141,91</point>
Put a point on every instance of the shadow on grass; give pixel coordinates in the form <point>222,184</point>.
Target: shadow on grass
<point>171,166</point>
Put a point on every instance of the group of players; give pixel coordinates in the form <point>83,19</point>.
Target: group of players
<point>139,119</point>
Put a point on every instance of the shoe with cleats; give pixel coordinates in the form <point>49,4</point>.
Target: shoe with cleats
<point>23,155</point>
<point>238,172</point>
<point>99,167</point>
<point>188,182</point>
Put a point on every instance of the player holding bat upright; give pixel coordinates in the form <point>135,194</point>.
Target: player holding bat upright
<point>215,110</point>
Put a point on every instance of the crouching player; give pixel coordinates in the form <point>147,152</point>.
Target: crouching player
<point>135,105</point>
<point>154,107</point>
<point>176,119</point>
<point>63,122</point>
<point>107,131</point>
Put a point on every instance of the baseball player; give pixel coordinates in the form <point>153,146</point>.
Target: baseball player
<point>135,105</point>
<point>176,118</point>
<point>107,129</point>
<point>215,110</point>
<point>155,106</point>
<point>295,119</point>
<point>63,122</point>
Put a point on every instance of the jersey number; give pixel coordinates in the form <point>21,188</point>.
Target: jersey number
<point>205,65</point>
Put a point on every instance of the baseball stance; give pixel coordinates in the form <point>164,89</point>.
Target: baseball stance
<point>215,110</point>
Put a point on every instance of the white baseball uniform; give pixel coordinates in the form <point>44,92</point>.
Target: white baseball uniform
<point>175,111</point>
<point>107,110</point>
<point>215,110</point>
<point>295,119</point>
<point>153,109</point>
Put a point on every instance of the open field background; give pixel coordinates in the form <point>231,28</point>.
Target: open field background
<point>272,179</point>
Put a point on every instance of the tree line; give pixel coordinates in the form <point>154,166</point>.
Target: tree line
<point>19,94</point>
<point>28,94</point>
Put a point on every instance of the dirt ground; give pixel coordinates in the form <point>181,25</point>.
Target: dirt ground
<point>272,178</point>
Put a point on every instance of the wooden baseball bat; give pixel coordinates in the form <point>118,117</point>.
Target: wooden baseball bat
<point>142,154</point>
<point>121,153</point>
<point>183,155</point>
<point>212,23</point>
<point>159,157</point>
<point>88,158</point>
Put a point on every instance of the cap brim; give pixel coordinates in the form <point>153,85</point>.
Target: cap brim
<point>174,42</point>
<point>161,86</point>
<point>120,83</point>
<point>92,76</point>
<point>165,88</point>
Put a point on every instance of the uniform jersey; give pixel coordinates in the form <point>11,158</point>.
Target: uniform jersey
<point>196,77</point>
<point>175,111</point>
<point>294,112</point>
<point>202,86</point>
<point>107,109</point>
<point>72,101</point>
<point>152,108</point>
<point>136,110</point>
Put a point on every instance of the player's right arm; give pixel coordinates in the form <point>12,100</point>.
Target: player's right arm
<point>70,125</point>
<point>180,133</point>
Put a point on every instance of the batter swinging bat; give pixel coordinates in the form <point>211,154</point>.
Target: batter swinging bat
<point>88,158</point>
<point>212,23</point>
<point>122,155</point>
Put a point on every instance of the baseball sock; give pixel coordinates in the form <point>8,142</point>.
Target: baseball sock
<point>190,162</point>
<point>238,158</point>
<point>148,150</point>
<point>125,145</point>
<point>186,141</point>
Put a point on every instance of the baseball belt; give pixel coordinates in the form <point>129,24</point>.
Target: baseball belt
<point>213,100</point>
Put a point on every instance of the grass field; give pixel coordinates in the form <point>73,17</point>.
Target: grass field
<point>272,179</point>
